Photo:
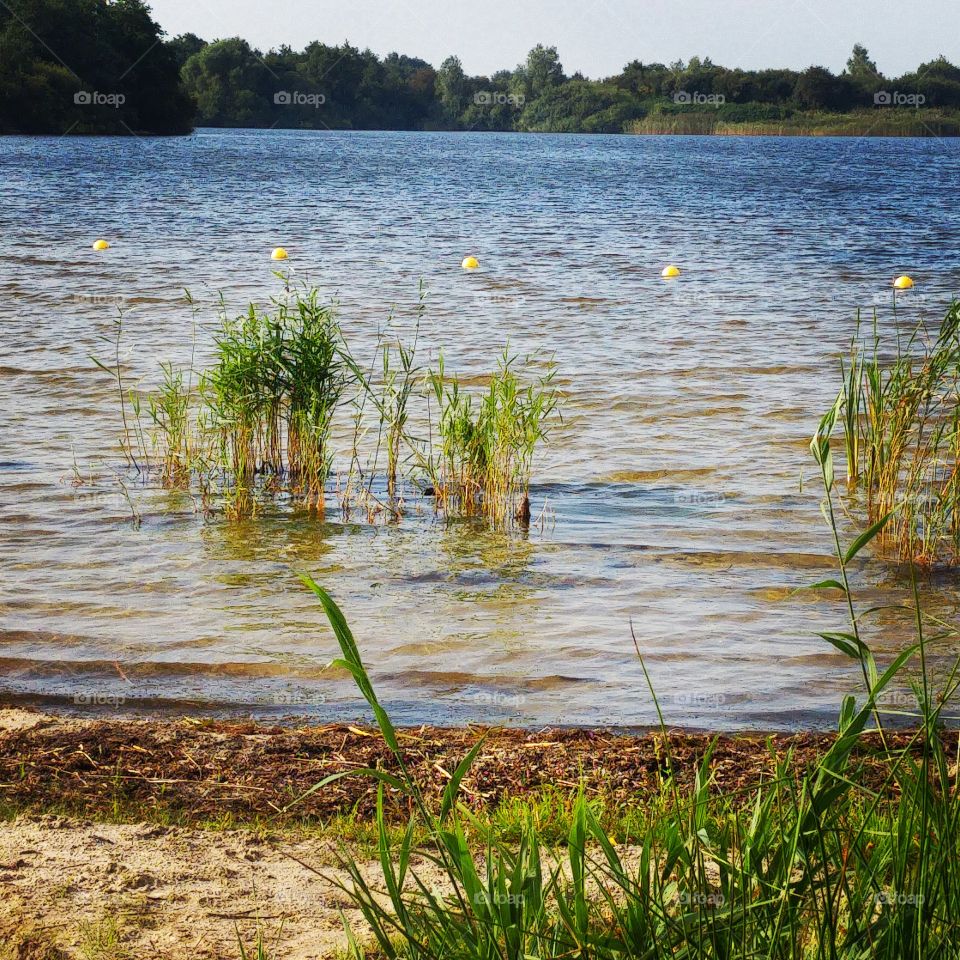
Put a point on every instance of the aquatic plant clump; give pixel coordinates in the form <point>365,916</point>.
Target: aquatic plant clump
<point>256,424</point>
<point>901,424</point>
<point>272,393</point>
<point>488,441</point>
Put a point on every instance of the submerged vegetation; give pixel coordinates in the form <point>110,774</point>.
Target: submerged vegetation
<point>255,426</point>
<point>901,425</point>
<point>855,856</point>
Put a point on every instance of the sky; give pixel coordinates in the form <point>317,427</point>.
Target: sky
<point>596,37</point>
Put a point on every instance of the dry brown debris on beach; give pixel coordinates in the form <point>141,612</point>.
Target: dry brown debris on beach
<point>128,874</point>
<point>206,770</point>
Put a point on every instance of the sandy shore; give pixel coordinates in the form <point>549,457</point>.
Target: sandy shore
<point>143,890</point>
<point>126,873</point>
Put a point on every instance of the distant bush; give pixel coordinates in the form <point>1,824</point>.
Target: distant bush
<point>136,83</point>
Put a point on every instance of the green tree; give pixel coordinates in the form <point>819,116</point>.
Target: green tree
<point>231,85</point>
<point>860,66</point>
<point>938,81</point>
<point>184,46</point>
<point>863,74</point>
<point>87,66</point>
<point>451,87</point>
<point>542,71</point>
<point>818,89</point>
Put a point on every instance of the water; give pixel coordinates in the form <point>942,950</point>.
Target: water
<point>673,488</point>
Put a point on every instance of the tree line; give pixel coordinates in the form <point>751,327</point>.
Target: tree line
<point>93,66</point>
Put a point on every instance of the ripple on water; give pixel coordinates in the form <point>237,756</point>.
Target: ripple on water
<point>672,491</point>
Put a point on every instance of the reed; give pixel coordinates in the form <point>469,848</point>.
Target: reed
<point>314,375</point>
<point>399,378</point>
<point>488,441</point>
<point>399,382</point>
<point>131,440</point>
<point>170,412</point>
<point>901,424</point>
<point>842,859</point>
<point>256,424</point>
<point>271,395</point>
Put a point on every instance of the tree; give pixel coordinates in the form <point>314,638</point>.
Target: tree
<point>184,46</point>
<point>818,89</point>
<point>100,67</point>
<point>581,106</point>
<point>231,85</point>
<point>860,66</point>
<point>863,73</point>
<point>937,81</point>
<point>451,87</point>
<point>543,70</point>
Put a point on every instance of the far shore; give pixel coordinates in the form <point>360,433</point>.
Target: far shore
<point>726,121</point>
<point>669,120</point>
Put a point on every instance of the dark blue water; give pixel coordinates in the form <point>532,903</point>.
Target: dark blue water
<point>679,491</point>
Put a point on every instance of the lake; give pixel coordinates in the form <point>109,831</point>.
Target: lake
<point>680,493</point>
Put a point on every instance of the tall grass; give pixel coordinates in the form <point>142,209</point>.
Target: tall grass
<point>735,120</point>
<point>841,859</point>
<point>259,423</point>
<point>272,392</point>
<point>901,420</point>
<point>400,377</point>
<point>170,412</point>
<point>487,442</point>
<point>131,440</point>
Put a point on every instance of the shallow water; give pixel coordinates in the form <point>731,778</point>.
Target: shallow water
<point>673,488</point>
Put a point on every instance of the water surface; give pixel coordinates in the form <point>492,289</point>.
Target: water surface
<point>679,490</point>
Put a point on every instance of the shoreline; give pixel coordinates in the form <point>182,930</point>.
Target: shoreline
<point>930,123</point>
<point>129,838</point>
<point>192,771</point>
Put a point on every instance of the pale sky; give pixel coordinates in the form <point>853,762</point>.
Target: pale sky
<point>596,37</point>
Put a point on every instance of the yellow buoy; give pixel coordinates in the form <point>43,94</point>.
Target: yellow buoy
<point>670,272</point>
<point>279,254</point>
<point>470,263</point>
<point>903,283</point>
<point>100,245</point>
